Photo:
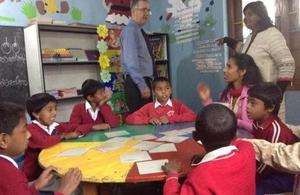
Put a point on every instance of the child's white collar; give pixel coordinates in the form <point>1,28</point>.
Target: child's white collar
<point>157,103</point>
<point>10,160</point>
<point>48,129</point>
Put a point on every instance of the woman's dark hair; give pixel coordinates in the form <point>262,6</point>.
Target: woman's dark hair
<point>216,126</point>
<point>252,76</point>
<point>37,102</point>
<point>259,9</point>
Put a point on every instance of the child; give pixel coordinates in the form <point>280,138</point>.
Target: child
<point>13,141</point>
<point>263,107</point>
<point>163,110</point>
<point>227,169</point>
<point>94,111</point>
<point>240,73</point>
<point>45,131</point>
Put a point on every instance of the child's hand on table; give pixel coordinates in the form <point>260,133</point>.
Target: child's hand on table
<point>171,167</point>
<point>155,121</point>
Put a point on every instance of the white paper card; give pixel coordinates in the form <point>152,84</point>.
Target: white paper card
<point>144,137</point>
<point>153,166</point>
<point>116,133</point>
<point>179,131</point>
<point>172,138</point>
<point>135,157</point>
<point>169,147</point>
<point>118,139</point>
<point>73,152</point>
<point>110,146</point>
<point>146,145</point>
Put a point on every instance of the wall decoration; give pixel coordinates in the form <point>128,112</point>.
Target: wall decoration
<point>76,13</point>
<point>7,19</point>
<point>52,7</point>
<point>29,10</point>
<point>118,11</point>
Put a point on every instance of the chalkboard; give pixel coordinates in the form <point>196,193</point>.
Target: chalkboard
<point>13,70</point>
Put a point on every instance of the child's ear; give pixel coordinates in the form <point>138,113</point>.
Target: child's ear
<point>270,110</point>
<point>243,72</point>
<point>3,140</point>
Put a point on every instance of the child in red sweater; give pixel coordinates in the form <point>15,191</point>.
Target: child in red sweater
<point>228,168</point>
<point>13,141</point>
<point>263,106</point>
<point>45,131</point>
<point>94,111</point>
<point>164,110</point>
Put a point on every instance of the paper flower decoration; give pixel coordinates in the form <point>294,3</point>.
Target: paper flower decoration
<point>104,61</point>
<point>102,46</point>
<point>102,31</point>
<point>105,76</point>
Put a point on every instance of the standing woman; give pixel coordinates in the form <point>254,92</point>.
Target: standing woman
<point>267,46</point>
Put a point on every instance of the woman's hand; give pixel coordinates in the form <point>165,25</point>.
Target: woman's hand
<point>203,91</point>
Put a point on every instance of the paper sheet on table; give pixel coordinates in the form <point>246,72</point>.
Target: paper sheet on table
<point>116,133</point>
<point>144,137</point>
<point>179,131</point>
<point>169,147</point>
<point>73,152</point>
<point>110,146</point>
<point>134,157</point>
<point>146,145</point>
<point>118,139</point>
<point>172,138</point>
<point>153,166</point>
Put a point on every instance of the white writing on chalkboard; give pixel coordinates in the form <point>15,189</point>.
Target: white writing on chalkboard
<point>12,59</point>
<point>13,83</point>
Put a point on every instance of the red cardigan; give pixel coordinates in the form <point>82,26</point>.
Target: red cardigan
<point>272,130</point>
<point>14,182</point>
<point>81,116</point>
<point>231,174</point>
<point>40,140</point>
<point>177,113</point>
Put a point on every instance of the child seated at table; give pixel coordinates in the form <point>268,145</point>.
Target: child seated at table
<point>94,111</point>
<point>228,168</point>
<point>13,141</point>
<point>164,110</point>
<point>263,106</point>
<point>45,132</point>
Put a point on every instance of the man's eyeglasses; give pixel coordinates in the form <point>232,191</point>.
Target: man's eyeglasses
<point>145,10</point>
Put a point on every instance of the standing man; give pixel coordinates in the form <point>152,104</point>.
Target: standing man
<point>137,61</point>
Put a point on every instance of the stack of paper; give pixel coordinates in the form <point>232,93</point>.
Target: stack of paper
<point>153,166</point>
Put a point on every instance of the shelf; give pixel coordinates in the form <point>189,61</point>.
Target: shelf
<point>69,63</point>
<point>67,28</point>
<point>161,61</point>
<point>70,98</point>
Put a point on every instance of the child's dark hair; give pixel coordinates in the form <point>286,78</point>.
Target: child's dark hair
<point>252,76</point>
<point>216,126</point>
<point>269,93</point>
<point>37,102</point>
<point>159,79</point>
<point>90,87</point>
<point>10,115</point>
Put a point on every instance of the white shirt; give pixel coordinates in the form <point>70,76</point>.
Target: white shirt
<point>92,113</point>
<point>10,160</point>
<point>48,129</point>
<point>157,103</point>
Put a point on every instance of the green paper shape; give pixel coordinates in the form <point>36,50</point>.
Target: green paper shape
<point>76,13</point>
<point>29,10</point>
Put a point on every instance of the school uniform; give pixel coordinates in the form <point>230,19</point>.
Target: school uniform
<point>83,114</point>
<point>13,181</point>
<point>228,170</point>
<point>174,109</point>
<point>270,180</point>
<point>43,137</point>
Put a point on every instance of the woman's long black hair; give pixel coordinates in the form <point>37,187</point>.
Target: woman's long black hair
<point>252,76</point>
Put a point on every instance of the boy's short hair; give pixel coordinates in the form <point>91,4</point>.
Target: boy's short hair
<point>10,115</point>
<point>269,93</point>
<point>90,87</point>
<point>37,102</point>
<point>159,79</point>
<point>134,3</point>
<point>216,126</point>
